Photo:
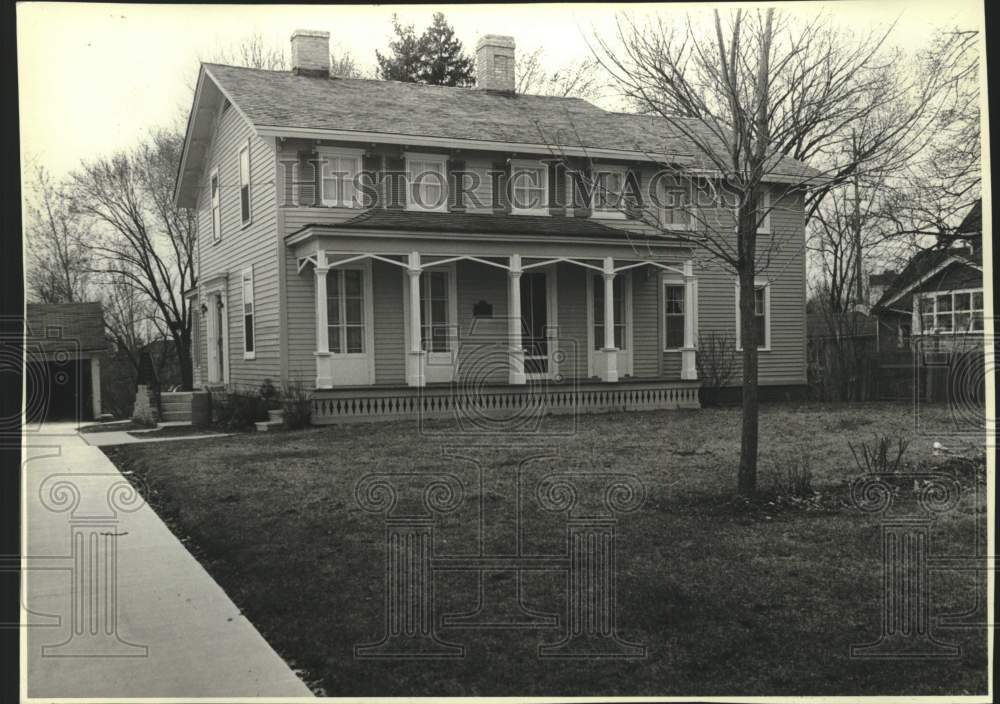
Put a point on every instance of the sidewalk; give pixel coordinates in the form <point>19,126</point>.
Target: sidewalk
<point>163,628</point>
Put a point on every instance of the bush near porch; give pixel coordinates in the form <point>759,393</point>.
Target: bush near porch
<point>762,599</point>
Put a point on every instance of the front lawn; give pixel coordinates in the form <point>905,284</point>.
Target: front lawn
<point>728,598</point>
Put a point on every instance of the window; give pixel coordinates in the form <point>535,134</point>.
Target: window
<point>619,296</point>
<point>609,192</point>
<point>248,312</point>
<point>951,312</point>
<point>345,311</point>
<point>434,311</point>
<point>762,315</point>
<point>673,315</point>
<point>672,200</point>
<point>339,170</point>
<point>245,184</point>
<point>428,179</point>
<point>216,210</point>
<point>529,187</point>
<point>764,212</point>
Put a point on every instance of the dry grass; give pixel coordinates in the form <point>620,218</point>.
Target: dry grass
<point>727,600</point>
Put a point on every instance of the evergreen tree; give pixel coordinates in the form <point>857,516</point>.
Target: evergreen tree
<point>436,57</point>
<point>406,59</point>
<point>444,62</point>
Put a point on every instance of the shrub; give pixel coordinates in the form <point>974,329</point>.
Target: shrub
<point>879,456</point>
<point>269,395</point>
<point>238,410</point>
<point>716,361</point>
<point>297,406</point>
<point>792,475</point>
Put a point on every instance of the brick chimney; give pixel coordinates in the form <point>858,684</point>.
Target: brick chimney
<point>495,63</point>
<point>311,53</point>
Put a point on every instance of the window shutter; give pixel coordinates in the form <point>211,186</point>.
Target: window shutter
<point>308,178</point>
<point>395,182</point>
<point>371,180</point>
<point>582,189</point>
<point>633,195</point>
<point>456,196</point>
<point>501,186</point>
<point>557,188</point>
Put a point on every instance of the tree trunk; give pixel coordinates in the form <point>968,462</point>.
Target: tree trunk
<point>182,344</point>
<point>747,476</point>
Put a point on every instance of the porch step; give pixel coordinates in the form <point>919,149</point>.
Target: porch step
<point>173,424</point>
<point>265,425</point>
<point>178,415</point>
<point>276,416</point>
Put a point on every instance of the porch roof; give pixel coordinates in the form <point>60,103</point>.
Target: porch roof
<point>480,223</point>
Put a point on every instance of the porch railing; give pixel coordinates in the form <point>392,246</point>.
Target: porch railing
<point>495,403</point>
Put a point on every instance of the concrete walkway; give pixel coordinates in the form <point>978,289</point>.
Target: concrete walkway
<point>116,606</point>
<point>122,437</point>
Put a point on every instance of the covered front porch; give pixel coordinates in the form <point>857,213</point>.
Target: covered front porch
<point>453,321</point>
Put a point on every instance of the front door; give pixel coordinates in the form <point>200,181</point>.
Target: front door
<point>535,325</point>
<point>439,328</point>
<point>349,320</point>
<point>220,352</point>
<point>215,321</point>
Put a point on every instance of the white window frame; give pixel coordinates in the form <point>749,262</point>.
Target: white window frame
<point>216,204</point>
<point>351,200</point>
<point>437,159</point>
<point>764,228</point>
<point>607,213</point>
<point>246,276</point>
<point>759,282</point>
<point>670,280</point>
<point>519,164</point>
<point>658,198</point>
<point>245,150</point>
<point>935,295</point>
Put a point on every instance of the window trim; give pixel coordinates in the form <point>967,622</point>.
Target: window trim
<point>516,164</point>
<point>670,280</point>
<point>606,213</point>
<point>972,310</point>
<point>442,160</point>
<point>685,187</point>
<point>759,282</point>
<point>340,153</point>
<point>764,228</point>
<point>245,149</point>
<point>245,275</point>
<point>215,205</point>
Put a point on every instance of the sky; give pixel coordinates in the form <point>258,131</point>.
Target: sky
<point>96,77</point>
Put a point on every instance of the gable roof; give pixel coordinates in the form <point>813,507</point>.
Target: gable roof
<point>924,265</point>
<point>972,223</point>
<point>280,103</point>
<point>68,327</point>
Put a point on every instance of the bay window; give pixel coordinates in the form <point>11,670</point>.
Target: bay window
<point>950,312</point>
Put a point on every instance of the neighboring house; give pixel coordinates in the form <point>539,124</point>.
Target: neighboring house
<point>938,297</point>
<point>64,344</point>
<point>421,283</point>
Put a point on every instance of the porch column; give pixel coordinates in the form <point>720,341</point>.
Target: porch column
<point>324,368</point>
<point>610,351</point>
<point>915,320</point>
<point>415,356</point>
<point>516,374</point>
<point>95,386</point>
<point>689,371</point>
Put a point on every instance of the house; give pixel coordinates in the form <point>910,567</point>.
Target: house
<point>64,344</point>
<point>379,242</point>
<point>937,300</point>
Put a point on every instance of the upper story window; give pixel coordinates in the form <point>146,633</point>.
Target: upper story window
<point>764,212</point>
<point>950,312</point>
<point>245,184</point>
<point>672,202</point>
<point>427,175</point>
<point>216,206</point>
<point>762,314</point>
<point>608,200</point>
<point>339,174</point>
<point>529,187</point>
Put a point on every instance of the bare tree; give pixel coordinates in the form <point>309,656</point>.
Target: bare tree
<point>252,51</point>
<point>743,93</point>
<point>58,259</point>
<point>576,79</point>
<point>140,238</point>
